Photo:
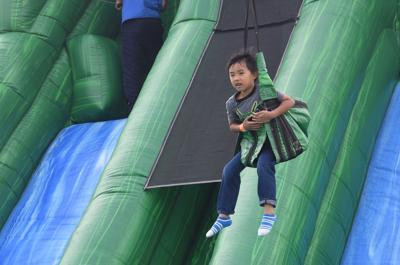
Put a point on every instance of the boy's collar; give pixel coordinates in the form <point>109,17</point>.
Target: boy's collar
<point>249,95</point>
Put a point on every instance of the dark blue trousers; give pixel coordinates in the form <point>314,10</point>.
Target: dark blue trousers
<point>229,189</point>
<point>141,41</point>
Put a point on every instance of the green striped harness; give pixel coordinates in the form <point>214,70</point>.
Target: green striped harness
<point>287,133</point>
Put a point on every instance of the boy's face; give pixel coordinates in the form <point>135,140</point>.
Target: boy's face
<point>241,77</point>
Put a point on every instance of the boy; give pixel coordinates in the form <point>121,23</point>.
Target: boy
<point>242,117</point>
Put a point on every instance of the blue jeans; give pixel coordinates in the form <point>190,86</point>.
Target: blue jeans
<point>229,189</point>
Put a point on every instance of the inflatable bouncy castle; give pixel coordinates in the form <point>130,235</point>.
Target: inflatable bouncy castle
<point>82,181</point>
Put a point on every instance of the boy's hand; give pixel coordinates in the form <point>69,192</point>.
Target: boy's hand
<point>262,116</point>
<point>118,4</point>
<point>251,125</point>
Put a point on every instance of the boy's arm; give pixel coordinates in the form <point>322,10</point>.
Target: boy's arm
<point>267,115</point>
<point>247,125</point>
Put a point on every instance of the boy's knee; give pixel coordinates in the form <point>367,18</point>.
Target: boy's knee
<point>226,172</point>
<point>267,168</point>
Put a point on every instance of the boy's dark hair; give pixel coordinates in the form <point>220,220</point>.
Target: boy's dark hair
<point>244,56</point>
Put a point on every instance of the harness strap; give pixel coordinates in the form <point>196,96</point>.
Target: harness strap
<point>252,4</point>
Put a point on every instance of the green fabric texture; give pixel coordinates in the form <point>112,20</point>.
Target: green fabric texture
<point>96,68</point>
<point>30,66</point>
<point>57,19</point>
<point>100,18</point>
<point>31,137</point>
<point>197,10</point>
<point>183,226</point>
<point>341,198</point>
<point>168,15</point>
<point>287,134</point>
<point>327,71</point>
<point>18,15</point>
<point>123,224</point>
<point>36,81</point>
<point>202,250</point>
<point>22,53</point>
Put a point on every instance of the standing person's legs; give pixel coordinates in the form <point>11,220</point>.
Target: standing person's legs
<point>141,41</point>
<point>266,188</point>
<point>228,194</point>
<point>133,58</point>
<point>153,41</point>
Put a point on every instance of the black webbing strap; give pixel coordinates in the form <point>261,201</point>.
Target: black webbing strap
<point>246,26</point>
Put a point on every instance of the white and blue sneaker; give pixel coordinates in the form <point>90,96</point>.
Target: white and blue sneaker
<point>267,222</point>
<point>218,226</point>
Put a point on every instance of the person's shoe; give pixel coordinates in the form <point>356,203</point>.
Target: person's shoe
<point>267,222</point>
<point>218,226</point>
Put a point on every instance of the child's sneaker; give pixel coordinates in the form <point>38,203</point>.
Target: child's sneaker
<point>218,226</point>
<point>267,222</point>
